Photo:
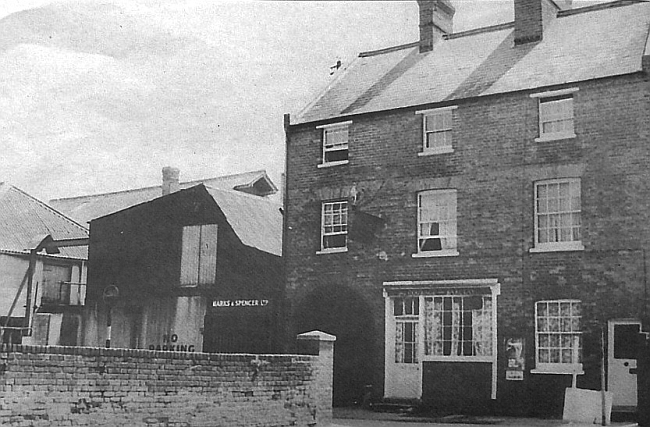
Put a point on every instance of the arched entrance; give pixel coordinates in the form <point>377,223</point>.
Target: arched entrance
<point>341,311</point>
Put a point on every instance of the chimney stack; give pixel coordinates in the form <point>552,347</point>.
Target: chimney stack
<point>170,180</point>
<point>436,19</point>
<point>531,18</point>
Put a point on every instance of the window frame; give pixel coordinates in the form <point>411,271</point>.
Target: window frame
<point>452,225</point>
<point>569,245</point>
<point>332,127</point>
<point>491,333</point>
<point>553,97</point>
<point>426,114</point>
<point>323,233</point>
<point>401,320</point>
<point>558,367</point>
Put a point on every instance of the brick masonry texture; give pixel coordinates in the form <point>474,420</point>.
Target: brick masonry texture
<point>68,386</point>
<point>494,166</point>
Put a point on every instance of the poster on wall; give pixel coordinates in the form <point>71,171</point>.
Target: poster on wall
<point>515,358</point>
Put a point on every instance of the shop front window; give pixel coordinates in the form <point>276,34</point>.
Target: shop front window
<point>458,326</point>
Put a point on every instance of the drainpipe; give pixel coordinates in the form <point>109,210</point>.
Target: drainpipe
<point>603,392</point>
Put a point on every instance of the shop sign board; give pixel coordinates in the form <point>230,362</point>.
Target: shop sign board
<point>240,303</point>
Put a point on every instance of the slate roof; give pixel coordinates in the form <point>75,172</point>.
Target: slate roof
<point>580,44</point>
<point>24,218</point>
<point>83,209</point>
<point>256,221</point>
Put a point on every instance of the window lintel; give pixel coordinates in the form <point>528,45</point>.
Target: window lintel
<point>436,110</point>
<point>567,91</point>
<point>335,125</point>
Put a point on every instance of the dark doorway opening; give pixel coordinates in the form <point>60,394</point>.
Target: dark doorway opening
<point>341,311</point>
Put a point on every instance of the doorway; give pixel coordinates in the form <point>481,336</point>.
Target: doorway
<point>622,349</point>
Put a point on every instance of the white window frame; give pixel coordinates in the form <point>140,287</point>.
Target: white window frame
<point>450,224</point>
<point>342,212</point>
<point>575,348</point>
<point>410,315</point>
<point>457,345</point>
<point>557,97</point>
<point>566,245</point>
<point>330,148</point>
<point>447,130</point>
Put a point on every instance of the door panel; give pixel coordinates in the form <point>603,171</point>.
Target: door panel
<point>622,348</point>
<point>403,381</point>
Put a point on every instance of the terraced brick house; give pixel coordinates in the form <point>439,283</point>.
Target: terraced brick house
<point>468,213</point>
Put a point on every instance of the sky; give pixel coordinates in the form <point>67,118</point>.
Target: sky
<point>98,95</point>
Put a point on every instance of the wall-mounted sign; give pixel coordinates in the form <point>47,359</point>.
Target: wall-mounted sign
<point>515,358</point>
<point>243,303</point>
<point>170,343</point>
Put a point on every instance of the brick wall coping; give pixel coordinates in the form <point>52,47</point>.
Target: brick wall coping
<point>141,353</point>
<point>316,336</point>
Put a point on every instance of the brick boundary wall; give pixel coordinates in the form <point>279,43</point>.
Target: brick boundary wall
<point>71,386</point>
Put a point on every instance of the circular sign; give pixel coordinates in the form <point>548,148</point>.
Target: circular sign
<point>111,294</point>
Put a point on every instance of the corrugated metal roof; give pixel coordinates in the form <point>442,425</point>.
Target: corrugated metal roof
<point>83,209</point>
<point>24,218</point>
<point>256,221</point>
<point>577,46</point>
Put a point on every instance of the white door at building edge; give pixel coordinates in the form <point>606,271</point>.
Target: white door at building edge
<point>621,361</point>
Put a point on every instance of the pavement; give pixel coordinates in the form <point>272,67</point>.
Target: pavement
<point>357,417</point>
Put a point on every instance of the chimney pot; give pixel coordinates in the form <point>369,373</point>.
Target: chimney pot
<point>436,19</point>
<point>170,177</point>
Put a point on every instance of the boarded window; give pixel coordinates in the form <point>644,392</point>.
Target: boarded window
<point>199,255</point>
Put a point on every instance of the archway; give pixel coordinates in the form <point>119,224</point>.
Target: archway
<point>343,312</point>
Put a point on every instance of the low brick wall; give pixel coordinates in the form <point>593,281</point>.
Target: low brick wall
<point>63,386</point>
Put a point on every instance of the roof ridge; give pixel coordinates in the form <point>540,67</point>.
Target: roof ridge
<point>243,194</point>
<point>449,36</point>
<point>388,49</point>
<point>599,6</point>
<point>150,187</point>
<point>503,26</point>
<point>198,181</point>
<point>48,207</point>
<point>479,30</point>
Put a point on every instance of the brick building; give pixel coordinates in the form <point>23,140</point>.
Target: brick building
<point>468,213</point>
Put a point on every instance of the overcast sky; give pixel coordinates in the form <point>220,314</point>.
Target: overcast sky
<point>98,96</point>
